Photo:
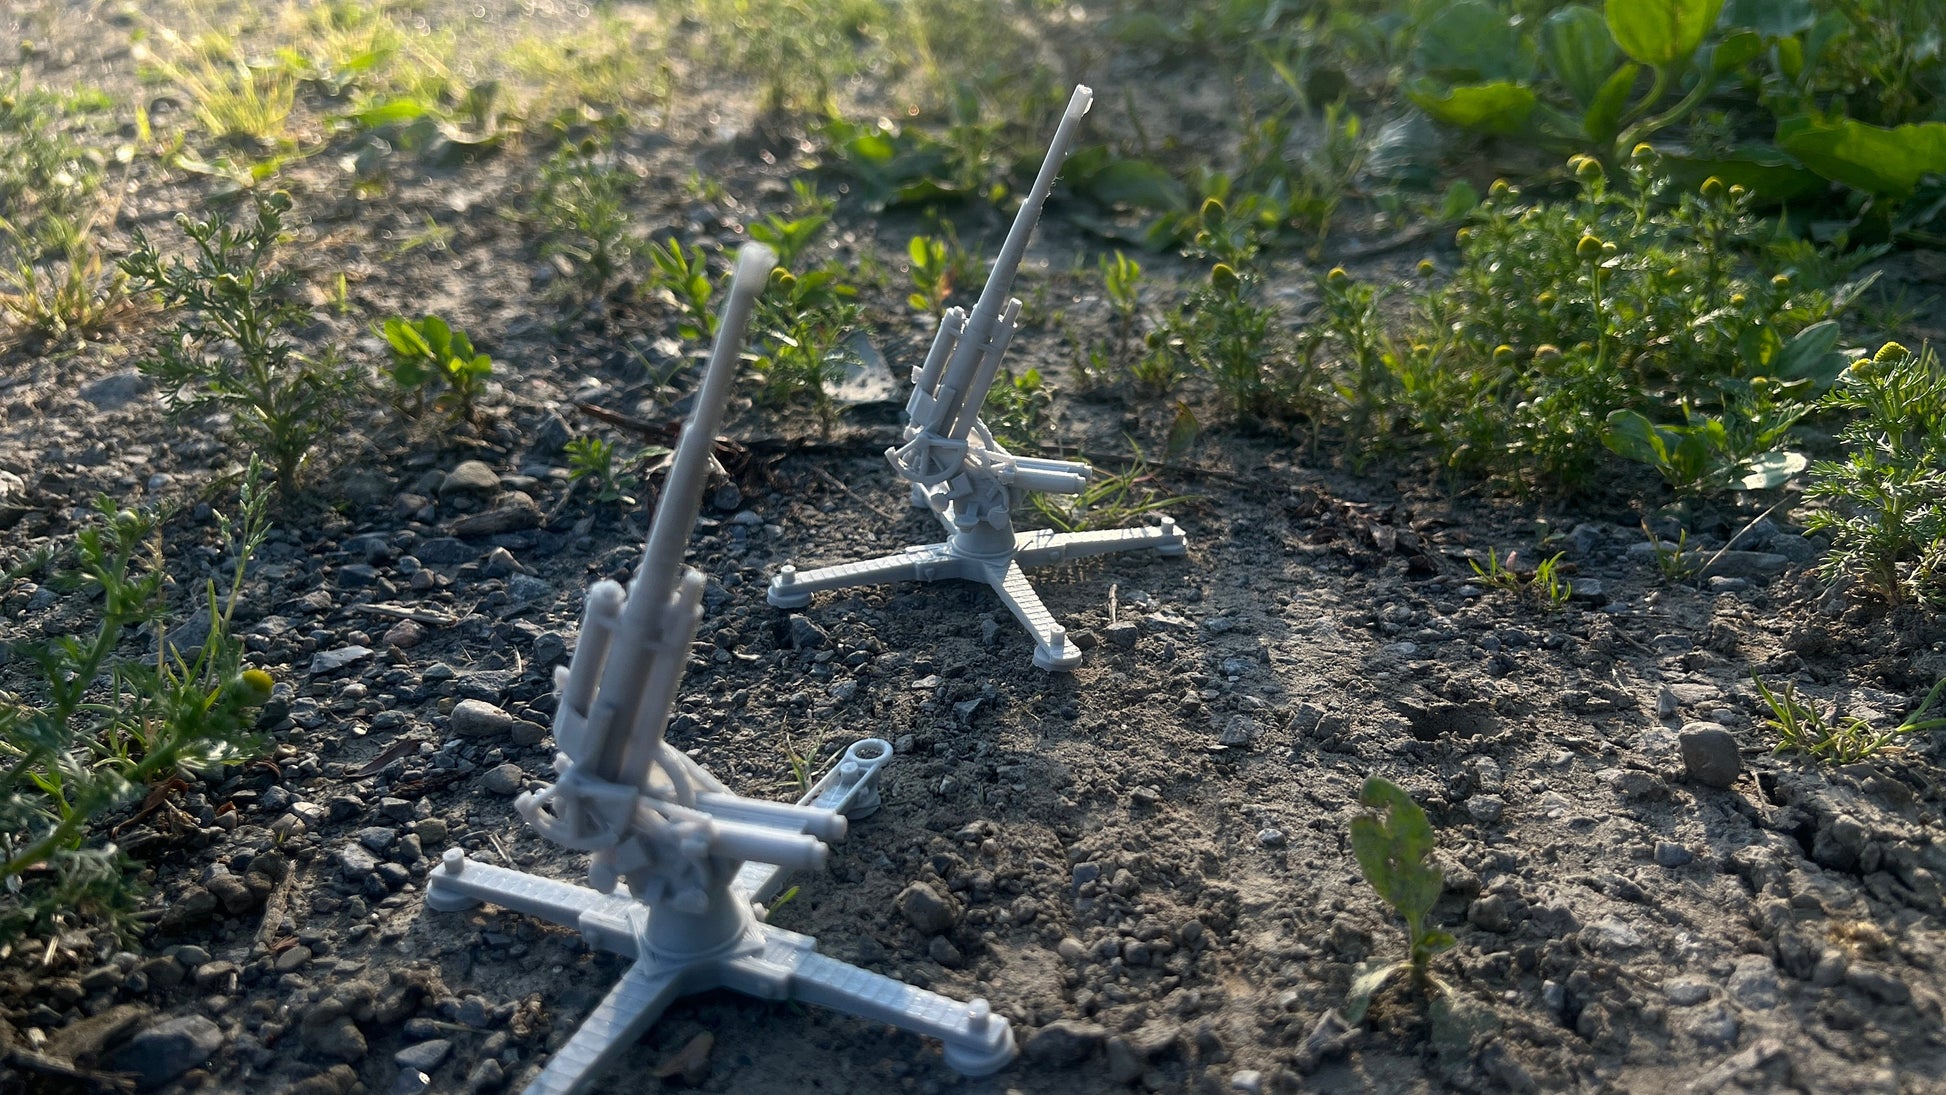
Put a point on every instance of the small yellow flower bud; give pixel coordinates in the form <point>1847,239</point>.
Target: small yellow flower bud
<point>1891,352</point>
<point>1427,269</point>
<point>1500,188</point>
<point>253,687</point>
<point>1337,278</point>
<point>1588,250</point>
<point>1781,281</point>
<point>1212,210</point>
<point>1503,354</point>
<point>1737,192</point>
<point>1738,300</point>
<point>1546,299</point>
<point>1712,188</point>
<point>1588,169</point>
<point>1224,277</point>
<point>1641,152</point>
<point>1547,352</point>
<point>1463,236</point>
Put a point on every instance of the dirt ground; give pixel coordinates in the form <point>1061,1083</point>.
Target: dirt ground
<point>1146,861</point>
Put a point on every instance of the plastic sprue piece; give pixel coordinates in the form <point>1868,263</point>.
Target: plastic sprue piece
<point>956,469</point>
<point>679,862</point>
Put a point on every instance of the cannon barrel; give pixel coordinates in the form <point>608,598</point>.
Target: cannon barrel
<point>636,658</point>
<point>968,373</point>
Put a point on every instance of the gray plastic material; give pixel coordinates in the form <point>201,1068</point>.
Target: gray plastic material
<point>957,470</point>
<point>681,864</point>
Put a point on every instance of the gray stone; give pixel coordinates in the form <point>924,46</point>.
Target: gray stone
<point>1741,564</point>
<point>1122,633</point>
<point>405,635</point>
<point>425,1057</point>
<point>805,633</point>
<point>1879,984</point>
<point>1272,838</point>
<point>377,837</point>
<point>292,960</point>
<point>168,1049</point>
<point>1686,992</point>
<point>356,862</point>
<point>116,390</point>
<point>1486,809</point>
<point>336,1039</point>
<point>515,512</point>
<point>488,1075</point>
<point>1712,1027</point>
<point>1719,583</point>
<point>1241,730</point>
<point>525,588</point>
<point>1670,854</point>
<point>332,661</point>
<point>445,551</point>
<point>1754,983</point>
<point>472,477</point>
<point>1064,1042</point>
<point>1490,913</point>
<point>1590,590</point>
<point>479,719</point>
<point>506,779</point>
<point>926,909</point>
<point>1709,754</point>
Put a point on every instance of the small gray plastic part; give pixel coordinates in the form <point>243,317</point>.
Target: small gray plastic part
<point>681,865</point>
<point>957,470</point>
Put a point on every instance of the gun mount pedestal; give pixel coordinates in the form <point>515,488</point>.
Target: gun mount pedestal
<point>988,551</point>
<point>719,942</point>
<point>957,470</point>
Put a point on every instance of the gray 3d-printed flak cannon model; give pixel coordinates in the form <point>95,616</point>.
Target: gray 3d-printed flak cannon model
<point>968,480</point>
<point>693,858</point>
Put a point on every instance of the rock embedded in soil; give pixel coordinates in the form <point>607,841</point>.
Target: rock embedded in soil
<point>1064,1042</point>
<point>926,909</point>
<point>506,779</point>
<point>425,1056</point>
<point>479,719</point>
<point>516,512</point>
<point>472,477</point>
<point>168,1049</point>
<point>1709,754</point>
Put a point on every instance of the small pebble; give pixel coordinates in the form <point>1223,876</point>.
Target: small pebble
<point>1272,838</point>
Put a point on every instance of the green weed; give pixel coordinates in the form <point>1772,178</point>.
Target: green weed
<point>1887,515</point>
<point>1394,849</point>
<point>429,356</point>
<point>100,730</point>
<point>681,278</point>
<point>231,346</point>
<point>592,460</point>
<point>1108,501</point>
<point>807,321</point>
<point>1827,737</point>
<point>939,266</point>
<point>580,210</point>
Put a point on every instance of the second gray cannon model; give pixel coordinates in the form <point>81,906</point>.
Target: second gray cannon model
<point>957,470</point>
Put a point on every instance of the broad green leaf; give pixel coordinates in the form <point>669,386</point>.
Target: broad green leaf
<point>1766,172</point>
<point>1578,50</point>
<point>1633,437</point>
<point>1500,108</point>
<point>391,112</point>
<point>1661,32</point>
<point>1866,157</point>
<point>1734,52</point>
<point>1137,183</point>
<point>1812,354</point>
<point>1772,470</point>
<point>1472,41</point>
<point>1604,117</point>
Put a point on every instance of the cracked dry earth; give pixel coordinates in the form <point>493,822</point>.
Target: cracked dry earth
<point>1143,864</point>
